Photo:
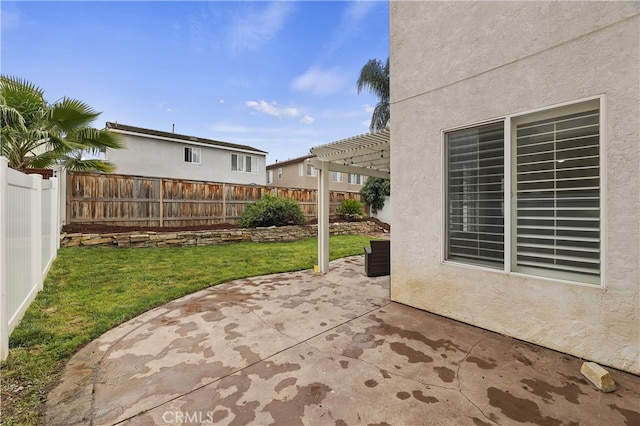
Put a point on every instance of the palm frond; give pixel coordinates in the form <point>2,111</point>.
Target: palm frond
<point>381,116</point>
<point>79,165</point>
<point>71,114</point>
<point>374,77</point>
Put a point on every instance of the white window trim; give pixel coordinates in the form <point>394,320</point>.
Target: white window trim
<point>508,233</point>
<point>279,173</point>
<point>199,155</point>
<point>241,163</point>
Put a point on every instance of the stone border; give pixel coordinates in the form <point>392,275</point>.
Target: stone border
<point>209,237</point>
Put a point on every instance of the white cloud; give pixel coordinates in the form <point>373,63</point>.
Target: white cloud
<point>307,119</point>
<point>221,101</point>
<point>229,128</point>
<point>320,82</point>
<point>273,109</point>
<point>255,25</point>
<point>368,108</point>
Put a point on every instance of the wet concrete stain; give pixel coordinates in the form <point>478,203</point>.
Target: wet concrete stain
<point>330,337</point>
<point>379,424</point>
<point>219,415</point>
<point>569,391</point>
<point>344,364</point>
<point>290,412</point>
<point>360,342</point>
<point>228,329</point>
<point>478,422</point>
<point>485,365</point>
<point>247,354</point>
<point>413,356</point>
<point>523,359</point>
<point>631,418</point>
<point>519,409</point>
<point>403,395</point>
<point>268,369</point>
<point>446,374</point>
<point>285,383</point>
<point>385,374</point>
<point>371,383</point>
<point>341,422</point>
<point>417,394</point>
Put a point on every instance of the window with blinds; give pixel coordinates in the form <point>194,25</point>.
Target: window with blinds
<point>475,195</point>
<point>557,193</point>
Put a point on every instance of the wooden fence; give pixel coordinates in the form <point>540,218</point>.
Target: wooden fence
<point>125,200</point>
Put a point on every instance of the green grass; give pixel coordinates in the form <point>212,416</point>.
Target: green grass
<point>90,290</point>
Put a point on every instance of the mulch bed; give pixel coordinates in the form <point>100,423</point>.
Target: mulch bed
<point>94,228</point>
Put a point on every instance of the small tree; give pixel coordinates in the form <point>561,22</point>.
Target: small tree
<point>350,209</point>
<point>374,191</point>
<point>272,211</point>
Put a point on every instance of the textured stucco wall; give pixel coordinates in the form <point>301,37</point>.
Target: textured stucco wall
<point>158,158</point>
<point>459,63</point>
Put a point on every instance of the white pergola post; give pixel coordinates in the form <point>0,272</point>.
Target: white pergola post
<point>323,217</point>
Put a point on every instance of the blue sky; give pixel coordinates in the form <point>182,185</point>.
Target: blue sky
<point>279,76</point>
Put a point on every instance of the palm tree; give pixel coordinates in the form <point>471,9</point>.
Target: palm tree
<point>374,77</point>
<point>36,134</point>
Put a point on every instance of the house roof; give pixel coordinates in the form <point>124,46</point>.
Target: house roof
<point>369,151</point>
<point>291,161</point>
<point>178,137</point>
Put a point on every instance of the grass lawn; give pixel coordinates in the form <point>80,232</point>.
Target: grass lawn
<point>90,290</point>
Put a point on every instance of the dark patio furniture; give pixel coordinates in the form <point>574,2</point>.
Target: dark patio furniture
<point>377,259</point>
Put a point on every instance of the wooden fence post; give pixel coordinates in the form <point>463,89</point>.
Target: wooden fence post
<point>224,203</point>
<point>161,202</point>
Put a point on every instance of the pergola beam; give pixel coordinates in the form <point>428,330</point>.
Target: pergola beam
<point>368,154</point>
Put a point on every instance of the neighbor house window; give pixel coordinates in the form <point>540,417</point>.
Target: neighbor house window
<point>354,179</point>
<point>279,173</point>
<point>336,176</point>
<point>555,200</point>
<point>191,155</point>
<point>244,163</point>
<point>269,176</point>
<point>311,171</point>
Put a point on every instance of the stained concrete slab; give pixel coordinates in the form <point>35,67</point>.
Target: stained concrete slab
<point>298,348</point>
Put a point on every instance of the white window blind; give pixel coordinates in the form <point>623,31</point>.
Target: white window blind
<point>475,194</point>
<point>557,206</point>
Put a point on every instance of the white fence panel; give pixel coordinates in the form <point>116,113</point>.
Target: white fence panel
<point>29,235</point>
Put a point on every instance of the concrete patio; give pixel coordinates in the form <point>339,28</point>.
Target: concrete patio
<point>297,348</point>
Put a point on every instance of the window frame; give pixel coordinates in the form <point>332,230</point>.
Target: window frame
<point>193,151</point>
<point>336,177</point>
<point>510,203</point>
<point>279,173</point>
<point>241,163</point>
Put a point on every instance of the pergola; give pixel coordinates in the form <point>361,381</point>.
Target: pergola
<point>368,154</point>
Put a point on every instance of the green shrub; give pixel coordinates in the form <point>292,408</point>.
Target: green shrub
<point>272,211</point>
<point>374,191</point>
<point>350,209</point>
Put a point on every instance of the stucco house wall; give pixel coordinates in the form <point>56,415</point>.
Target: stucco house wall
<point>458,63</point>
<point>163,156</point>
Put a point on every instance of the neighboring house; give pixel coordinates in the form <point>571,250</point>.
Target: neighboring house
<point>298,173</point>
<point>156,153</point>
<point>515,154</point>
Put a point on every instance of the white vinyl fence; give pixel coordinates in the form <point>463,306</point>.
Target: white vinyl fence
<point>29,241</point>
